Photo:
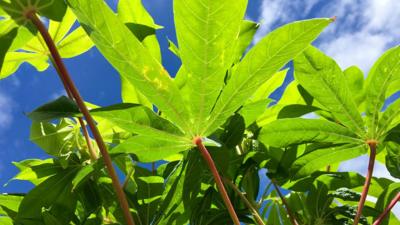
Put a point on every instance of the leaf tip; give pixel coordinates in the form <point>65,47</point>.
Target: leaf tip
<point>333,18</point>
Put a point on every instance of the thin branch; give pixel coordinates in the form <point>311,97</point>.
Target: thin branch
<point>364,193</point>
<point>284,202</point>
<point>92,152</point>
<point>387,210</point>
<point>65,77</point>
<point>217,178</point>
<point>253,210</point>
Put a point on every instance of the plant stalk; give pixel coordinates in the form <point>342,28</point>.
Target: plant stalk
<point>65,77</point>
<point>364,193</point>
<point>253,210</point>
<point>284,202</point>
<point>92,152</point>
<point>387,210</point>
<point>210,162</point>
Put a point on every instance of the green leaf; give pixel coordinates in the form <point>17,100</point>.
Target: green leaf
<point>6,39</point>
<point>320,158</point>
<point>386,197</point>
<point>76,43</point>
<point>150,189</point>
<point>60,201</point>
<point>131,59</point>
<point>247,30</point>
<point>392,159</point>
<point>206,33</point>
<point>59,108</point>
<point>36,170</point>
<point>57,140</point>
<point>265,90</point>
<point>129,94</point>
<point>260,63</point>
<point>285,132</point>
<point>9,205</point>
<point>58,30</point>
<point>140,120</point>
<point>148,149</point>
<point>252,111</point>
<point>82,175</point>
<point>355,81</point>
<point>13,60</point>
<point>295,110</point>
<point>381,75</point>
<point>234,131</point>
<point>324,80</point>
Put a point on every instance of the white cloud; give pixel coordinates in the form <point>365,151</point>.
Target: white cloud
<point>6,111</point>
<point>362,32</point>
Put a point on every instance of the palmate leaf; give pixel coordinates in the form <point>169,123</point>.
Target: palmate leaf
<point>384,199</point>
<point>260,63</point>
<point>36,170</point>
<point>285,132</point>
<point>52,9</point>
<point>324,80</point>
<point>206,33</point>
<point>31,49</point>
<point>382,74</point>
<point>131,59</point>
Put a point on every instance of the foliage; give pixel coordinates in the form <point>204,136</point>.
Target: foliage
<point>221,95</point>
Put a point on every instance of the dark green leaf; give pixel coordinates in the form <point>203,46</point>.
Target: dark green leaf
<point>59,108</point>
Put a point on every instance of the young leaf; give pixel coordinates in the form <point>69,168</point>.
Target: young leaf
<point>148,149</point>
<point>206,33</point>
<point>382,74</point>
<point>131,59</point>
<point>285,132</point>
<point>324,80</point>
<point>260,63</point>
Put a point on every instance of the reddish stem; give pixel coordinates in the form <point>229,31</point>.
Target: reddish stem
<point>66,79</point>
<point>387,210</point>
<point>217,178</point>
<point>92,152</point>
<point>364,193</point>
<point>285,203</point>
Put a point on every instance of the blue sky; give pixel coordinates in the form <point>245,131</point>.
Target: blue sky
<point>364,29</point>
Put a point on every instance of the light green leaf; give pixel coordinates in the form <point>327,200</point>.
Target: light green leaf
<point>382,74</point>
<point>76,43</point>
<point>247,30</point>
<point>389,119</point>
<point>13,60</point>
<point>131,59</point>
<point>285,132</point>
<point>82,175</point>
<point>36,170</point>
<point>252,111</point>
<point>265,90</point>
<point>355,81</point>
<point>324,80</point>
<point>133,11</point>
<point>140,120</point>
<point>260,63</point>
<point>207,32</point>
<point>129,94</point>
<point>317,159</point>
<point>148,149</point>
<point>58,30</point>
<point>9,203</point>
<point>56,140</point>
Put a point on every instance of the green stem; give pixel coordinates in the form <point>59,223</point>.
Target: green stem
<point>65,77</point>
<point>217,178</point>
<point>284,202</point>
<point>253,210</point>
<point>387,210</point>
<point>364,193</point>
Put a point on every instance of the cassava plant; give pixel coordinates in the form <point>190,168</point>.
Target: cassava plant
<point>340,99</point>
<point>211,124</point>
